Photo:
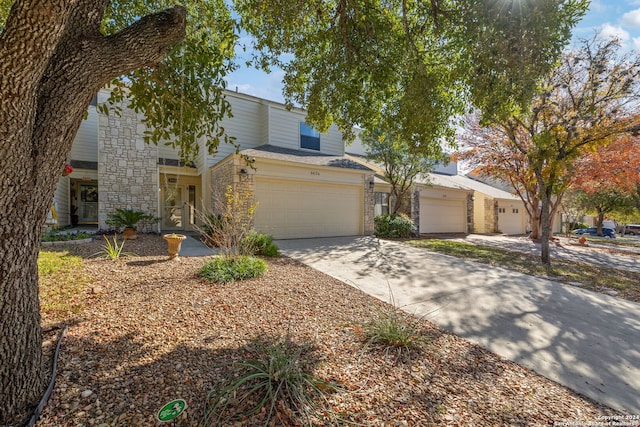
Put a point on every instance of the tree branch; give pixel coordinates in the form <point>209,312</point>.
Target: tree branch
<point>144,43</point>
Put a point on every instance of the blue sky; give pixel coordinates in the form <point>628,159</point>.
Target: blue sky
<point>620,18</point>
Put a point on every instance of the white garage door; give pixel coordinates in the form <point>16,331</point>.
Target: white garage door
<point>294,209</point>
<point>510,221</point>
<point>442,216</point>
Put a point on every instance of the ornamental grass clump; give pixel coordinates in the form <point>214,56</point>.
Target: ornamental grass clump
<point>274,383</point>
<point>225,269</point>
<point>390,331</point>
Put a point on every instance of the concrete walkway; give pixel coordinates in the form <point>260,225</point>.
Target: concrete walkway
<point>626,257</point>
<point>581,339</point>
<point>192,246</point>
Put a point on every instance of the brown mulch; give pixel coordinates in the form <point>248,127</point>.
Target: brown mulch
<point>152,332</point>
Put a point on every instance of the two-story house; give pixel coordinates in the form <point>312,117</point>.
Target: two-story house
<point>303,184</point>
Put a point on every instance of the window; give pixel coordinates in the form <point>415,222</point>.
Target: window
<point>515,211</point>
<point>502,210</point>
<point>309,137</point>
<point>380,203</point>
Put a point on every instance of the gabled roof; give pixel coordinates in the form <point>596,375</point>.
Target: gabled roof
<point>306,157</point>
<point>457,182</point>
<point>441,180</point>
<point>465,183</point>
<point>496,193</point>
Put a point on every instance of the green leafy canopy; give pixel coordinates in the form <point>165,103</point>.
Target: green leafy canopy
<point>413,64</point>
<point>410,64</point>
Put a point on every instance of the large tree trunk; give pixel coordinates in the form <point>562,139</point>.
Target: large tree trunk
<point>53,60</point>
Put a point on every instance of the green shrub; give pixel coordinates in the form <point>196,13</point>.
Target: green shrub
<point>260,244</point>
<point>393,225</point>
<point>230,269</point>
<point>274,380</point>
<point>56,236</point>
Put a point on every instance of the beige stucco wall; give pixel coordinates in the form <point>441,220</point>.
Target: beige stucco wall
<point>227,173</point>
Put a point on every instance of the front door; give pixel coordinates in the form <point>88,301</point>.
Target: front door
<point>88,203</point>
<point>178,211</point>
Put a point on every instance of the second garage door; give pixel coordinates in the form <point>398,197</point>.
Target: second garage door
<point>510,221</point>
<point>296,209</point>
<point>442,216</point>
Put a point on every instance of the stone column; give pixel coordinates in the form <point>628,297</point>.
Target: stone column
<point>415,209</point>
<point>470,207</point>
<point>127,167</point>
<point>368,205</point>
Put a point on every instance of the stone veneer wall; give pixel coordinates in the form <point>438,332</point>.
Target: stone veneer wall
<point>222,175</point>
<point>369,202</point>
<point>228,173</point>
<point>415,210</point>
<point>470,199</point>
<point>127,167</point>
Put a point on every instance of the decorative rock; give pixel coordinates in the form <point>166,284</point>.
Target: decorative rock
<point>612,293</point>
<point>86,393</point>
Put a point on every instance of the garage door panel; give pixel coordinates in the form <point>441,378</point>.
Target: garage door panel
<point>292,209</point>
<point>442,216</point>
<point>510,222</point>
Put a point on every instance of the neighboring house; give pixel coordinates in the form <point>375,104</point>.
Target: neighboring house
<point>300,179</point>
<point>445,202</point>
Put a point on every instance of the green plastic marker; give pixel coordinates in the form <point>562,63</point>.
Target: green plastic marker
<point>172,410</point>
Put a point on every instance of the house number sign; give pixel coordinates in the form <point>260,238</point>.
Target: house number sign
<point>315,173</point>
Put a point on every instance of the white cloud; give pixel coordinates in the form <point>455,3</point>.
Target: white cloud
<point>636,44</point>
<point>608,31</point>
<point>631,19</point>
<point>598,6</point>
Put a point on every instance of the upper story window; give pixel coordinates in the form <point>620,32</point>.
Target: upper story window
<point>309,137</point>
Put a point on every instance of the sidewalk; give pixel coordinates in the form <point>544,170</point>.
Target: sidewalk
<point>192,247</point>
<point>583,340</point>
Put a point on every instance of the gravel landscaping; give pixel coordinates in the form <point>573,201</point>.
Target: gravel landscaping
<point>153,331</point>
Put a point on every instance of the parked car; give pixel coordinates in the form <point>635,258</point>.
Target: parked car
<point>593,231</point>
<point>632,229</point>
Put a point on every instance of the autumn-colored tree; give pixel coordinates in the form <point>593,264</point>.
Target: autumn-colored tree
<point>354,62</point>
<point>607,178</point>
<point>588,100</point>
<point>488,150</point>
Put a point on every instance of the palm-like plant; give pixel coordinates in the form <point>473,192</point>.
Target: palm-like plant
<point>127,218</point>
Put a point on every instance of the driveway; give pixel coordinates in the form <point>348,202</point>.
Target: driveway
<point>583,340</point>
